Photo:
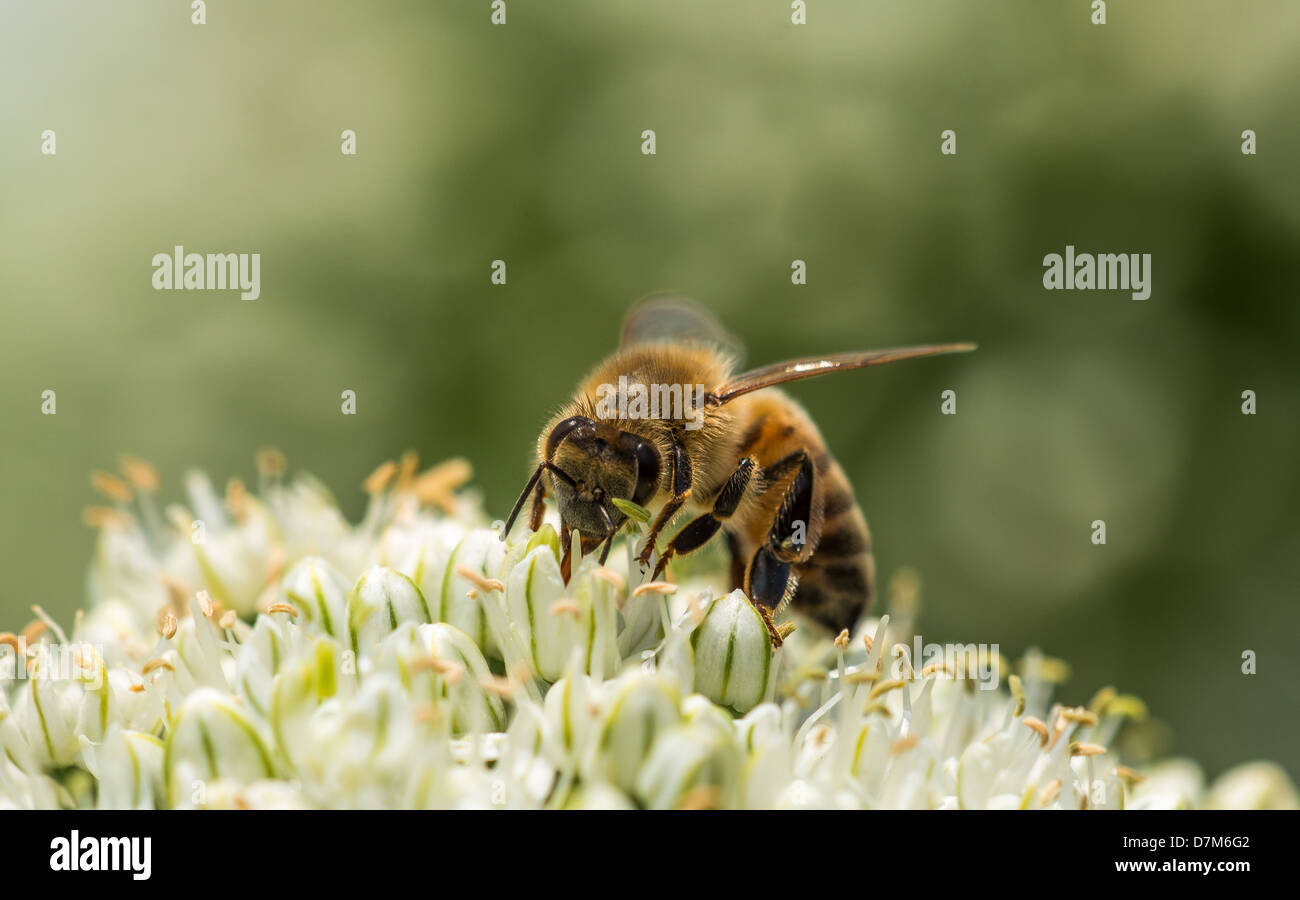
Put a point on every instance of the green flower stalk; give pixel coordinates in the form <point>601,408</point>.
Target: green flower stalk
<point>258,651</point>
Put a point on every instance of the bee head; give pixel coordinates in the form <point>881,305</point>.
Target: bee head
<point>592,463</point>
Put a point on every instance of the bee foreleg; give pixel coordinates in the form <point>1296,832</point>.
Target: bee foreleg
<point>681,490</point>
<point>566,557</point>
<point>539,507</point>
<point>699,530</point>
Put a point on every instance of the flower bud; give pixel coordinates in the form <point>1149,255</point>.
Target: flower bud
<point>212,737</point>
<point>439,663</point>
<point>129,768</point>
<point>693,765</point>
<point>550,624</point>
<point>381,600</point>
<point>642,707</point>
<point>302,683</point>
<point>319,593</point>
<point>460,600</point>
<point>568,714</point>
<point>234,557</point>
<point>733,653</point>
<point>1256,785</point>
<point>68,695</point>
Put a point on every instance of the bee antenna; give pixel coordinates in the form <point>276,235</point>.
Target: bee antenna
<point>544,465</point>
<point>519,504</point>
<point>559,473</point>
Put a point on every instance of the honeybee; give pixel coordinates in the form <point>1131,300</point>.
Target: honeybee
<point>742,454</point>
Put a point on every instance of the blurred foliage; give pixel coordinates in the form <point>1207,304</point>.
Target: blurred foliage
<point>774,142</point>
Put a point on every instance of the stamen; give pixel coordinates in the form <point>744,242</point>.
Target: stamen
<point>1080,715</point>
<point>938,666</point>
<point>450,671</point>
<point>438,486</point>
<point>702,796</point>
<point>884,687</point>
<point>903,744</point>
<point>282,607</point>
<point>502,687</point>
<point>1101,699</point>
<point>1018,692</point>
<point>168,629</point>
<point>1039,726</point>
<point>237,499</point>
<point>861,676</point>
<point>111,486</point>
<point>270,462</point>
<point>408,466</point>
<point>1051,793</point>
<point>105,517</point>
<point>205,603</point>
<point>143,476</point>
<point>1082,748</point>
<point>877,706</point>
<point>177,593</point>
<point>610,577</point>
<point>484,584</point>
<point>1129,775</point>
<point>566,606</point>
<point>378,480</point>
<point>156,663</point>
<point>654,587</point>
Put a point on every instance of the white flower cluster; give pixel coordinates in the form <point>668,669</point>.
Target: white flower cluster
<point>258,651</point>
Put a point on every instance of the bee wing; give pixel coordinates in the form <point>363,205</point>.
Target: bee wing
<point>675,317</point>
<point>809,366</point>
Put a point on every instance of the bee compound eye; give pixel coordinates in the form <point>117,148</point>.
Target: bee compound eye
<point>647,472</point>
<point>562,430</point>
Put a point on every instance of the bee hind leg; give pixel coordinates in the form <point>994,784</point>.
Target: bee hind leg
<point>771,579</point>
<point>791,532</point>
<point>770,583</point>
<point>699,530</point>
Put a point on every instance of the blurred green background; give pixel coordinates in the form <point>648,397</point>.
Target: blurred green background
<point>775,142</point>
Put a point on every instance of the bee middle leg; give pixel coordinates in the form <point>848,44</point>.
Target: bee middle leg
<point>700,529</point>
